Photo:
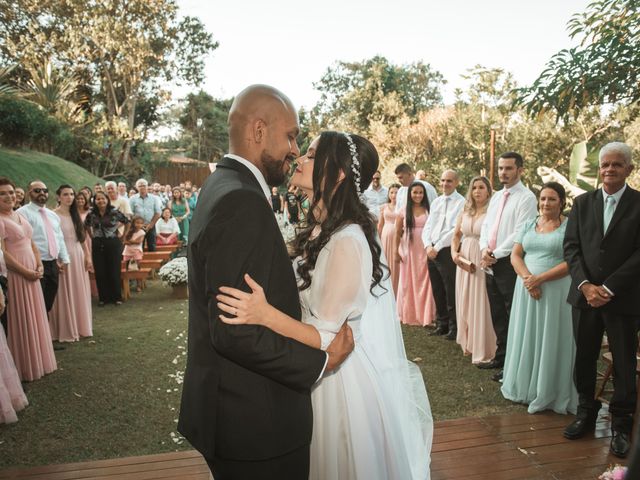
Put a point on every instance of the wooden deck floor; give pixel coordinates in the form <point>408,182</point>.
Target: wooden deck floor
<point>503,447</point>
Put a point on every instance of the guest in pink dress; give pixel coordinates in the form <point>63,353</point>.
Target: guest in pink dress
<point>84,206</point>
<point>12,397</point>
<point>415,299</point>
<point>29,336</point>
<point>387,233</point>
<point>71,315</point>
<point>475,329</point>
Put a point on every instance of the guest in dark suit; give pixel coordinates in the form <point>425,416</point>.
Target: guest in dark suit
<point>246,402</point>
<point>602,248</point>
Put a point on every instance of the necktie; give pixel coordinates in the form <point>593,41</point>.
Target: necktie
<point>609,208</point>
<point>493,236</point>
<point>51,239</point>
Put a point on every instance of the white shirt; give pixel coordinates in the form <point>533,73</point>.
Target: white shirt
<point>520,207</point>
<point>31,212</point>
<point>267,193</point>
<point>122,204</point>
<point>256,173</point>
<point>374,199</point>
<point>401,199</point>
<point>167,227</point>
<point>3,265</point>
<point>443,214</point>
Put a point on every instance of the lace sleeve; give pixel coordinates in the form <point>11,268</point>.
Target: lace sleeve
<point>340,285</point>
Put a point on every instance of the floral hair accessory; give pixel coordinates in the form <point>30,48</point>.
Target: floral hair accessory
<point>355,163</point>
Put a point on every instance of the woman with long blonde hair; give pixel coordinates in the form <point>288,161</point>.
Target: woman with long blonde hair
<point>475,330</point>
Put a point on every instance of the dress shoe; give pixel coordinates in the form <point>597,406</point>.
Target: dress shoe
<point>579,427</point>
<point>451,335</point>
<point>490,365</point>
<point>498,376</point>
<point>438,332</point>
<point>620,444</point>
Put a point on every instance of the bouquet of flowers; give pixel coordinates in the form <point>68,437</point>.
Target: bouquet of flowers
<point>174,272</point>
<point>617,472</point>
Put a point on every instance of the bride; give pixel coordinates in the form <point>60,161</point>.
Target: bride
<point>372,418</point>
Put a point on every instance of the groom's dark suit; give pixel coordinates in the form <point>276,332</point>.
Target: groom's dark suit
<point>612,259</point>
<point>246,394</point>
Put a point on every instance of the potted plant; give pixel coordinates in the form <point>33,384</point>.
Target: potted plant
<point>174,274</point>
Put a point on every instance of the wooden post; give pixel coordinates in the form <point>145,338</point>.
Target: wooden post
<point>492,156</point>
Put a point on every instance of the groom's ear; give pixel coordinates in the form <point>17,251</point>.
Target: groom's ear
<point>259,130</point>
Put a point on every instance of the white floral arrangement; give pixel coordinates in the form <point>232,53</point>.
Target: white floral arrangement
<point>174,272</point>
<point>287,230</point>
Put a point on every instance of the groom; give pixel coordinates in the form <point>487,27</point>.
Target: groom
<point>246,402</point>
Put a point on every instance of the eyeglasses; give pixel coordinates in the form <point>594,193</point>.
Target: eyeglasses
<point>40,190</point>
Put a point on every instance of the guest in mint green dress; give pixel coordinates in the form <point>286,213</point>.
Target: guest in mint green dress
<point>538,367</point>
<point>180,210</point>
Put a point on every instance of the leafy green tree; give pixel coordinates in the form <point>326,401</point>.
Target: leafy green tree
<point>204,123</point>
<point>603,68</point>
<point>357,94</point>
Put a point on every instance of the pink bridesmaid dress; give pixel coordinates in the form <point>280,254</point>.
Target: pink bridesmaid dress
<point>415,298</point>
<point>29,335</point>
<point>475,330</point>
<point>388,241</point>
<point>71,315</point>
<point>92,277</point>
<point>12,397</point>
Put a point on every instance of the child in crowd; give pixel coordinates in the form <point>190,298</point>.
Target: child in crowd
<point>132,252</point>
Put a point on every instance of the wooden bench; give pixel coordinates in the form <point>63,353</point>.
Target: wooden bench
<point>164,256</point>
<point>125,275</point>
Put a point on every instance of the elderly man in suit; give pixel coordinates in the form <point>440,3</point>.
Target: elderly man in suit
<point>602,248</point>
<point>246,402</point>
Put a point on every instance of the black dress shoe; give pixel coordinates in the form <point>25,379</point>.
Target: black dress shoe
<point>498,376</point>
<point>438,331</point>
<point>579,427</point>
<point>490,365</point>
<point>451,335</point>
<point>620,444</point>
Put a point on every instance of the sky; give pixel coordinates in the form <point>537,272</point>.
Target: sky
<point>290,44</point>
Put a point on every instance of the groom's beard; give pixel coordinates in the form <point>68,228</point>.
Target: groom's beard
<point>275,174</point>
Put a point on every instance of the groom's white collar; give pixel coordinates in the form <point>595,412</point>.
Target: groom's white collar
<point>256,173</point>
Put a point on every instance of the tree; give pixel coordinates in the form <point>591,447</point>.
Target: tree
<point>204,122</point>
<point>360,93</point>
<point>124,49</point>
<point>603,68</point>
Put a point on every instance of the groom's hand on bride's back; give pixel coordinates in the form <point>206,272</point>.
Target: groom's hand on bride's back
<point>340,348</point>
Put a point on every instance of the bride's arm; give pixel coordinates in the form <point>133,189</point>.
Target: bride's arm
<point>254,309</point>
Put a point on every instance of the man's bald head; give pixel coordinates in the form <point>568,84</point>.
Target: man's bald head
<point>255,103</point>
<point>263,126</point>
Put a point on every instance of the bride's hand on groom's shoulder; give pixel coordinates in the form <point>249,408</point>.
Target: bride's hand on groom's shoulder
<point>242,307</point>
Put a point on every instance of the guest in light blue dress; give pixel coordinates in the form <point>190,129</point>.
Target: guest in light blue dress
<point>538,367</point>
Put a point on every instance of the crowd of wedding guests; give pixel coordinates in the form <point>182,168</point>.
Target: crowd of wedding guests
<point>54,260</point>
<point>524,287</point>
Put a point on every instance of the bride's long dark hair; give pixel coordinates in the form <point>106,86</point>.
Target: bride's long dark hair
<point>341,201</point>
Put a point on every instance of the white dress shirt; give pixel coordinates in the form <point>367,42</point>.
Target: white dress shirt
<point>3,265</point>
<point>31,212</point>
<point>520,207</point>
<point>374,199</point>
<point>401,199</point>
<point>267,193</point>
<point>438,231</point>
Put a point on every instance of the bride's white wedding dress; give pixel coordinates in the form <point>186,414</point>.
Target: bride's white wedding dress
<point>371,416</point>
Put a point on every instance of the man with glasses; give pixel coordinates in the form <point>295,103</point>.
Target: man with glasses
<point>48,238</point>
<point>376,195</point>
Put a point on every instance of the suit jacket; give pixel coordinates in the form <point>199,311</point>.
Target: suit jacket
<point>246,392</point>
<point>611,258</point>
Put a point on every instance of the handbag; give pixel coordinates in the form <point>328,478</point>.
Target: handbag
<point>132,265</point>
<point>467,265</point>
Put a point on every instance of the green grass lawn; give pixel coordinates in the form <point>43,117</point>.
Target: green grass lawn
<point>22,166</point>
<point>117,394</point>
